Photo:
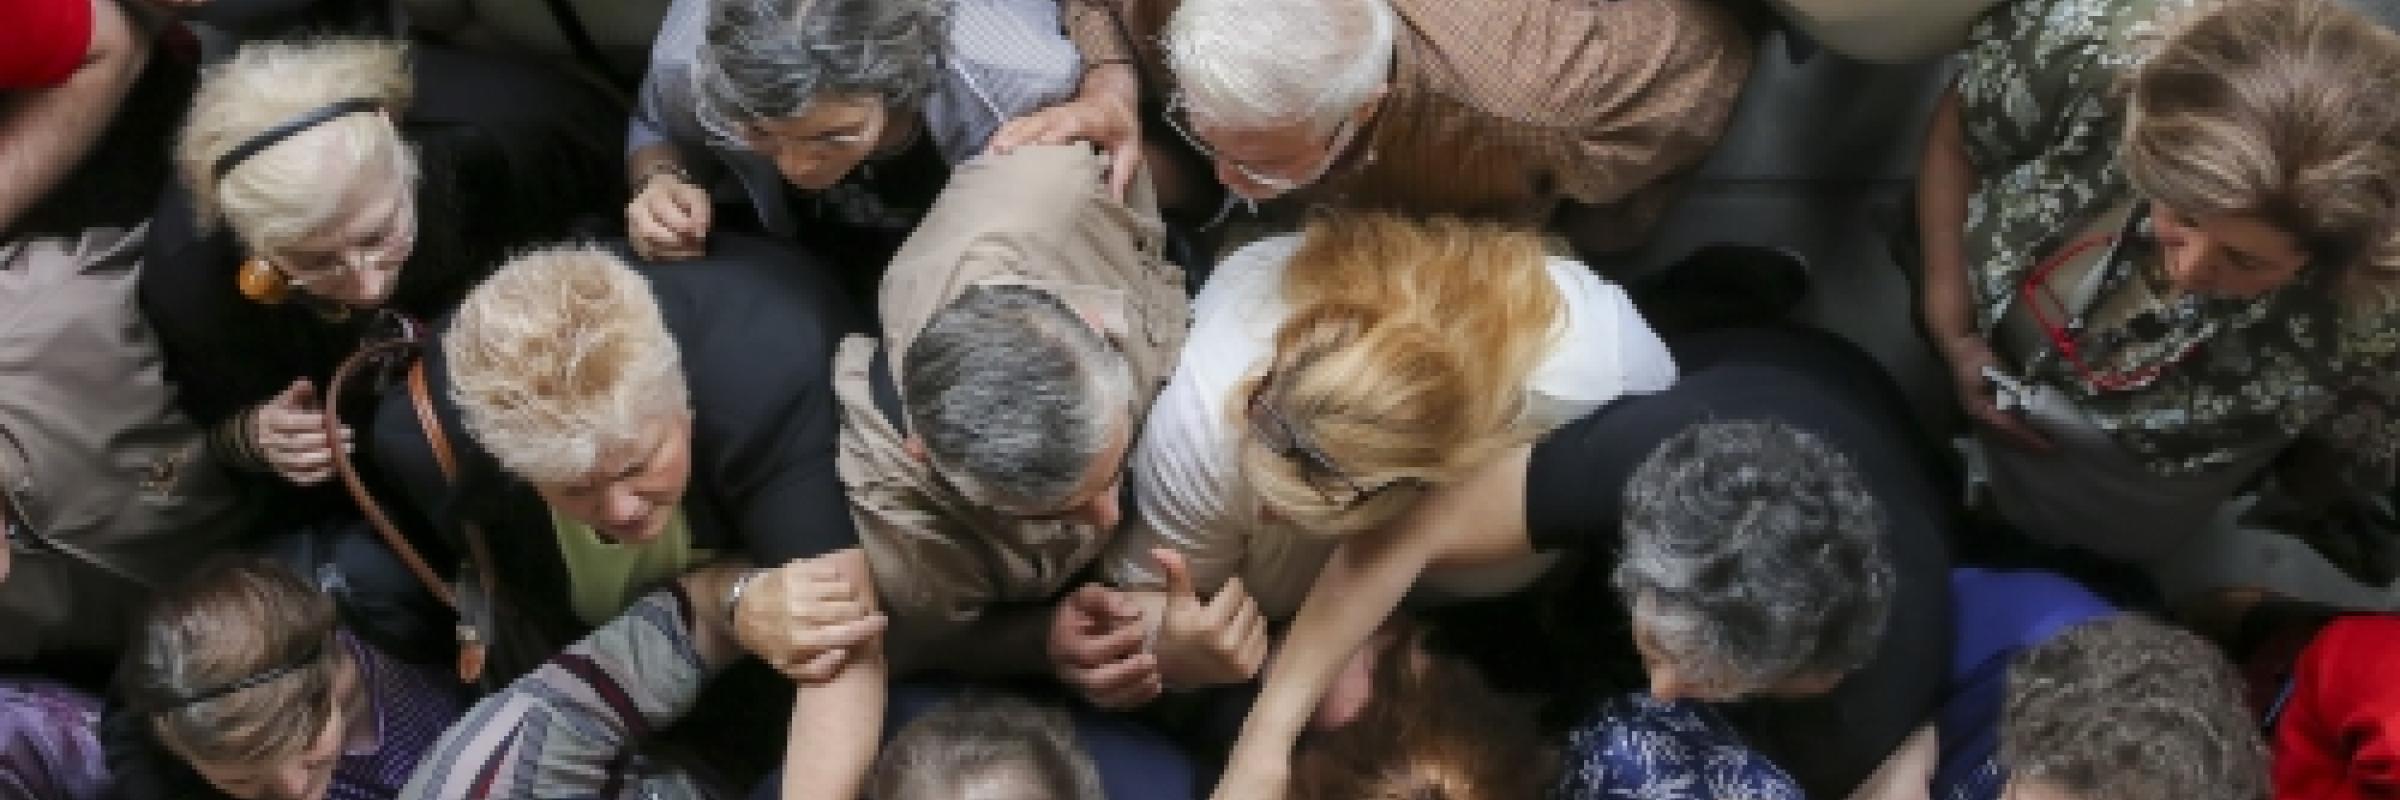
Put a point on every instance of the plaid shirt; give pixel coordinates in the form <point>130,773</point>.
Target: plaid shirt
<point>1505,107</point>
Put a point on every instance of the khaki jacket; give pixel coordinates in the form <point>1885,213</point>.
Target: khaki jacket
<point>1040,216</point>
<point>116,490</point>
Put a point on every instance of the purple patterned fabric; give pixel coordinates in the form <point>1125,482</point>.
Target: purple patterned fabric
<point>413,705</point>
<point>49,743</point>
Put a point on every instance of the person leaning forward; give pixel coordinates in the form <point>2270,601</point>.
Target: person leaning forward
<point>1026,327</point>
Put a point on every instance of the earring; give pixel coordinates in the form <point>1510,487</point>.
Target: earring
<point>262,282</point>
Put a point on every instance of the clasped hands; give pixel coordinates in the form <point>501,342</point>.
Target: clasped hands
<point>805,619</point>
<point>1121,649</point>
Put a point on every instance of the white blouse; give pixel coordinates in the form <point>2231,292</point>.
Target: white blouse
<point>1191,496</point>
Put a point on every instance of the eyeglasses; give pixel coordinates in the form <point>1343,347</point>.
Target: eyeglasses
<point>1179,112</point>
<point>2060,325</point>
<point>1287,442</point>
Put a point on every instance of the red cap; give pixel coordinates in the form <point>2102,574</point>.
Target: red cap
<point>42,42</point>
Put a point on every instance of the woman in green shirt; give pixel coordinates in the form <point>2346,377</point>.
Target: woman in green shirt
<point>2158,240</point>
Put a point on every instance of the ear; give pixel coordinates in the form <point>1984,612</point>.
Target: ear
<point>915,448</point>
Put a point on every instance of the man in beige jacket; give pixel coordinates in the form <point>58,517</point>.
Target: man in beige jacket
<point>1027,324</point>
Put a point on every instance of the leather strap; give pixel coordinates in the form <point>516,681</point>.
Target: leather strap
<point>342,466</point>
<point>421,399</point>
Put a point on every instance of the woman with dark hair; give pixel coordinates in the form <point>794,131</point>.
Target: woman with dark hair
<point>841,116</point>
<point>1414,723</point>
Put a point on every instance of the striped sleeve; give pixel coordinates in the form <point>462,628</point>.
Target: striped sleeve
<point>563,730</point>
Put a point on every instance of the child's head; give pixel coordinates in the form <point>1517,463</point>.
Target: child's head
<point>986,747</point>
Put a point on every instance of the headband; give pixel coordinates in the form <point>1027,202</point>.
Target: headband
<point>292,127</point>
<point>255,680</point>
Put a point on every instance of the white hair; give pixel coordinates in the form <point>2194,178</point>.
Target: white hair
<point>1270,63</point>
<point>561,358</point>
<point>291,189</point>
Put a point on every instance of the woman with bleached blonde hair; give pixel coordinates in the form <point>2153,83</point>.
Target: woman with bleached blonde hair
<point>2160,240</point>
<point>1330,378</point>
<point>332,188</point>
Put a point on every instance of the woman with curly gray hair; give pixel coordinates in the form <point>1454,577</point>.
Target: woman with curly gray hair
<point>862,105</point>
<point>2126,708</point>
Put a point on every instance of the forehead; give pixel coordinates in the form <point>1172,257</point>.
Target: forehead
<point>371,193</point>
<point>822,114</point>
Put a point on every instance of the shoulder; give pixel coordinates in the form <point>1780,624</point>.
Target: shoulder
<point>1570,63</point>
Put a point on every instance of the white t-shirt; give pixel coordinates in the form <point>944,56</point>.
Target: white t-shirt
<point>1190,493</point>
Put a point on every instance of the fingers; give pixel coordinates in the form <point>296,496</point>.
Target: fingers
<point>1178,573</point>
<point>845,635</point>
<point>1123,683</point>
<point>1017,132</point>
<point>1122,164</point>
<point>823,667</point>
<point>1121,642</point>
<point>669,221</point>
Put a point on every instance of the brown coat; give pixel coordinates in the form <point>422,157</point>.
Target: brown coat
<point>1039,216</point>
<point>1504,108</point>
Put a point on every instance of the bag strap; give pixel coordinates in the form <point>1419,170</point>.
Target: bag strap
<point>382,522</point>
<point>476,618</point>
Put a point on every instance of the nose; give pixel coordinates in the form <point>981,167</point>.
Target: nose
<point>2191,266</point>
<point>800,169</point>
<point>1101,511</point>
<point>290,782</point>
<point>374,279</point>
<point>1666,687</point>
<point>625,507</point>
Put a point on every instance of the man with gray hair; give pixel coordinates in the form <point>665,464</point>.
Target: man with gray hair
<point>1026,327</point>
<point>1499,108</point>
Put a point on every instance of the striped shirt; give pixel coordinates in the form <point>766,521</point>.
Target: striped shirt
<point>412,705</point>
<point>1002,59</point>
<point>570,727</point>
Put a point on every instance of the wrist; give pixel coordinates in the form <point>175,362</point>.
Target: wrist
<point>665,167</point>
<point>733,595</point>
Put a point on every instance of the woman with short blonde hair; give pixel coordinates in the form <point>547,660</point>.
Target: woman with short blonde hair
<point>2159,240</point>
<point>1331,378</point>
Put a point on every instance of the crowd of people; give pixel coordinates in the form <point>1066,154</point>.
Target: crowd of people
<point>1167,399</point>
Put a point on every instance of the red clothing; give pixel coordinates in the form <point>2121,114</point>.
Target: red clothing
<point>42,41</point>
<point>2339,738</point>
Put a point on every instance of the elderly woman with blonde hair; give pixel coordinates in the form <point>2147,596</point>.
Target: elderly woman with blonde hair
<point>334,189</point>
<point>604,428</point>
<point>1331,378</point>
<point>2159,242</point>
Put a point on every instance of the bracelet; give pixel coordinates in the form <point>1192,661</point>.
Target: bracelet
<point>733,595</point>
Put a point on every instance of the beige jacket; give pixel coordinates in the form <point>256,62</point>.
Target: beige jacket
<point>115,488</point>
<point>1040,216</point>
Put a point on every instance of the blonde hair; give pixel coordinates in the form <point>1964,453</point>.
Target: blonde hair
<point>559,358</point>
<point>283,193</point>
<point>1405,359</point>
<point>2280,109</point>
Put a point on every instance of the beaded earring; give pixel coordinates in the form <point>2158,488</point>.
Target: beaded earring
<point>262,282</point>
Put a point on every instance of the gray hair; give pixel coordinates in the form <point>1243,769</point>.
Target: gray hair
<point>2126,708</point>
<point>955,751</point>
<point>1756,554</point>
<point>1013,394</point>
<point>769,59</point>
<point>1267,63</point>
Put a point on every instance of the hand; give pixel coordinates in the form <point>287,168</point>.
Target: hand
<point>668,220</point>
<point>1968,357</point>
<point>1221,641</point>
<point>288,433</point>
<point>1095,645</point>
<point>1105,118</point>
<point>804,619</point>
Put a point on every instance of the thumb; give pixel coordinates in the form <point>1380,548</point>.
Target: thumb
<point>1179,574</point>
<point>1122,165</point>
<point>303,393</point>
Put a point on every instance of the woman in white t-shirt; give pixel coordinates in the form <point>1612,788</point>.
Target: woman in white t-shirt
<point>1331,376</point>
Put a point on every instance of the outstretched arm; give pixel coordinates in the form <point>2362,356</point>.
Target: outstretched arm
<point>1478,520</point>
